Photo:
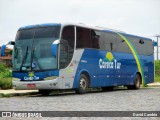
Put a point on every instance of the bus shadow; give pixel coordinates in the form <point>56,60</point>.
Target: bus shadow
<point>90,91</point>
<point>72,92</point>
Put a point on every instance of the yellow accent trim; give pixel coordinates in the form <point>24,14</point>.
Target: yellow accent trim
<point>135,56</point>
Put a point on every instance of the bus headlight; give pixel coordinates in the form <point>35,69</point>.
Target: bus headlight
<point>50,78</point>
<point>16,79</point>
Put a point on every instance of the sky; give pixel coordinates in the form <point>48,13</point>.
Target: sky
<point>138,17</point>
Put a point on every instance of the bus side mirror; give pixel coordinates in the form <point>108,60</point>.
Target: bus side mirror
<point>11,43</point>
<point>55,47</point>
<point>3,50</point>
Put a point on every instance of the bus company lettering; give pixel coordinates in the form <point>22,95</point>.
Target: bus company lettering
<point>31,76</point>
<point>109,62</point>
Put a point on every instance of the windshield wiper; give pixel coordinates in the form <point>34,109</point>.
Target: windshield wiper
<point>16,52</point>
<point>24,58</point>
<point>36,59</point>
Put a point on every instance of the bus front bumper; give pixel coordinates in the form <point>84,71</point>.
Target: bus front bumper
<point>35,85</point>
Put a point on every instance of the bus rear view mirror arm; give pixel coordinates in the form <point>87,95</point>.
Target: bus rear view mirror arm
<point>55,47</point>
<point>11,43</point>
<point>2,52</point>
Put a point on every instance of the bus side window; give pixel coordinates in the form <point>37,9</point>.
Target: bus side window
<point>147,44</point>
<point>108,41</point>
<point>79,43</point>
<point>63,55</point>
<point>68,34</point>
<point>122,46</point>
<point>95,39</point>
<point>83,38</point>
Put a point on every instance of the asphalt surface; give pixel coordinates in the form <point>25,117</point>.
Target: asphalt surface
<point>144,99</point>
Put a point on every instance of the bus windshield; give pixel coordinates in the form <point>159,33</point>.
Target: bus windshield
<point>32,50</point>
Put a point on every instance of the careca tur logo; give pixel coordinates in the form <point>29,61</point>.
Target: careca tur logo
<point>31,76</point>
<point>109,62</point>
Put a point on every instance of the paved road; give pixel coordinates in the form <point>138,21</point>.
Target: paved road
<point>147,99</point>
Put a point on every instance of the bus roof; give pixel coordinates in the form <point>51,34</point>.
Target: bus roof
<point>84,26</point>
<point>136,36</point>
<point>129,35</point>
<point>39,25</point>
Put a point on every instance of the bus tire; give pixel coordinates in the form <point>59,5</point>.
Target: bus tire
<point>44,92</point>
<point>137,83</point>
<point>83,84</point>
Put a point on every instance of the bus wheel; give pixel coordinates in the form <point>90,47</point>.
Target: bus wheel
<point>44,92</point>
<point>137,83</point>
<point>83,84</point>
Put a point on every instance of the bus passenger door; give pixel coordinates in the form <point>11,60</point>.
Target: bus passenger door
<point>67,71</point>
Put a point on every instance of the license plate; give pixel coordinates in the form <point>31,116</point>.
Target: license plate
<point>31,85</point>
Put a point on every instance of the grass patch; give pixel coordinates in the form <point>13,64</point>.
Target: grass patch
<point>157,78</point>
<point>4,71</point>
<point>8,95</point>
<point>5,83</point>
<point>2,95</point>
<point>157,71</point>
<point>5,77</point>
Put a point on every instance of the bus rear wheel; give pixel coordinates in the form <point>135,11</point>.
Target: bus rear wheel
<point>137,83</point>
<point>83,84</point>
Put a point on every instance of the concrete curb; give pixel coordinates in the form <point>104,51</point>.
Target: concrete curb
<point>155,84</point>
<point>15,94</point>
<point>12,92</point>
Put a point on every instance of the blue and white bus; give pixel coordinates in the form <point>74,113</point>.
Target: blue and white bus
<point>75,56</point>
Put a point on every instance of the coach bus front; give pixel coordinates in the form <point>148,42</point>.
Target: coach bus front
<point>34,65</point>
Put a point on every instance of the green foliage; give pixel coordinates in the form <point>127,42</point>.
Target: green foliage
<point>7,95</point>
<point>157,70</point>
<point>6,74</point>
<point>10,52</point>
<point>157,64</point>
<point>2,68</point>
<point>157,78</point>
<point>5,77</point>
<point>4,71</point>
<point>5,83</point>
<point>157,67</point>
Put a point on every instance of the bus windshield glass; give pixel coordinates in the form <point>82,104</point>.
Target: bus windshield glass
<point>32,50</point>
